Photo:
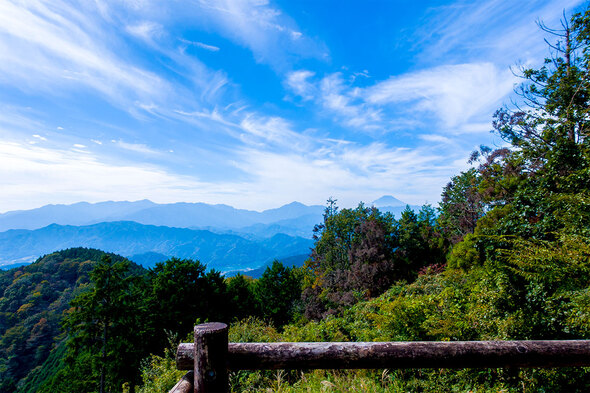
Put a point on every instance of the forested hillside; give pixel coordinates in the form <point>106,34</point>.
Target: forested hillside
<point>506,255</point>
<point>78,316</point>
<point>33,300</point>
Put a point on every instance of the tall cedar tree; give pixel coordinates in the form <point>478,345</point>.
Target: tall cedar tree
<point>105,325</point>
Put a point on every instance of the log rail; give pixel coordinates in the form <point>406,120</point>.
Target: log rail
<point>216,356</point>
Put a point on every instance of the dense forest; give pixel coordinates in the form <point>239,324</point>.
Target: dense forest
<point>506,255</point>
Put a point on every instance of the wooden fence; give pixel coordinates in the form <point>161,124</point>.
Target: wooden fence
<point>211,357</point>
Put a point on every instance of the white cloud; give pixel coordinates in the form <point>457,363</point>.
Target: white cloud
<point>336,97</point>
<point>346,171</point>
<point>39,137</point>
<point>136,147</point>
<point>297,82</point>
<point>271,131</point>
<point>210,48</point>
<point>271,177</point>
<point>436,138</point>
<point>453,93</point>
<point>145,30</point>
<point>453,97</point>
<point>505,31</point>
<point>68,176</point>
<point>43,47</point>
<point>270,34</point>
<point>55,49</point>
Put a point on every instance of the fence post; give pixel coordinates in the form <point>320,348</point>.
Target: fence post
<point>210,358</point>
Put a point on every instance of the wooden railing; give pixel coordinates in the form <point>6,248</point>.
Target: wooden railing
<point>215,356</point>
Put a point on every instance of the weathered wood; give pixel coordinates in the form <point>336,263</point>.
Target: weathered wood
<point>185,385</point>
<point>454,354</point>
<point>210,354</point>
<point>185,356</point>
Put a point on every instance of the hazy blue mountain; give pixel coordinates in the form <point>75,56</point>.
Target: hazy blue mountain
<point>186,215</point>
<point>388,201</point>
<point>82,213</point>
<point>219,251</point>
<point>390,204</point>
<point>300,226</point>
<point>291,211</point>
<point>180,215</point>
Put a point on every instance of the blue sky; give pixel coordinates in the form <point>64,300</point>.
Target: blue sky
<point>254,103</point>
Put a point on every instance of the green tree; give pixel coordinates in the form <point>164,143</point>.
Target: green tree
<point>534,239</point>
<point>461,206</point>
<point>529,185</point>
<point>351,247</point>
<point>277,292</point>
<point>182,291</point>
<point>241,289</point>
<point>359,253</point>
<point>105,325</point>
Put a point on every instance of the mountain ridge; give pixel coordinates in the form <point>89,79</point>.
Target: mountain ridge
<point>179,214</point>
<point>219,251</point>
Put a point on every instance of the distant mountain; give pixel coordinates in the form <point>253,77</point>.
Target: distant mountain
<point>82,213</point>
<point>390,204</point>
<point>148,243</point>
<point>179,215</point>
<point>388,201</point>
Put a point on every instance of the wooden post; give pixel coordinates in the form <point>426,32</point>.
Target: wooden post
<point>210,358</point>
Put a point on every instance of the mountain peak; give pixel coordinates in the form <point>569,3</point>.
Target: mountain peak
<point>388,200</point>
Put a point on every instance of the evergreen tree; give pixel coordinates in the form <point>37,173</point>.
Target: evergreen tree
<point>276,292</point>
<point>182,292</point>
<point>105,326</point>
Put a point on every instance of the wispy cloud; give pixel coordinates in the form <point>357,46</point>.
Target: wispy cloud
<point>210,48</point>
<point>272,36</point>
<point>450,96</point>
<point>136,147</point>
<point>344,170</point>
<point>145,30</point>
<point>45,46</point>
<point>337,97</point>
<point>67,176</point>
<point>503,30</point>
<point>454,94</point>
<point>435,138</point>
<point>56,49</point>
<point>298,83</point>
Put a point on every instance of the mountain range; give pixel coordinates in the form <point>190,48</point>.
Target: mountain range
<point>223,237</point>
<point>179,215</point>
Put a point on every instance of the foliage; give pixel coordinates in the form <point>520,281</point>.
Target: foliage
<point>461,206</point>
<point>242,298</point>
<point>105,325</point>
<point>180,292</point>
<point>32,300</point>
<point>277,292</point>
<point>159,373</point>
<point>359,253</point>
